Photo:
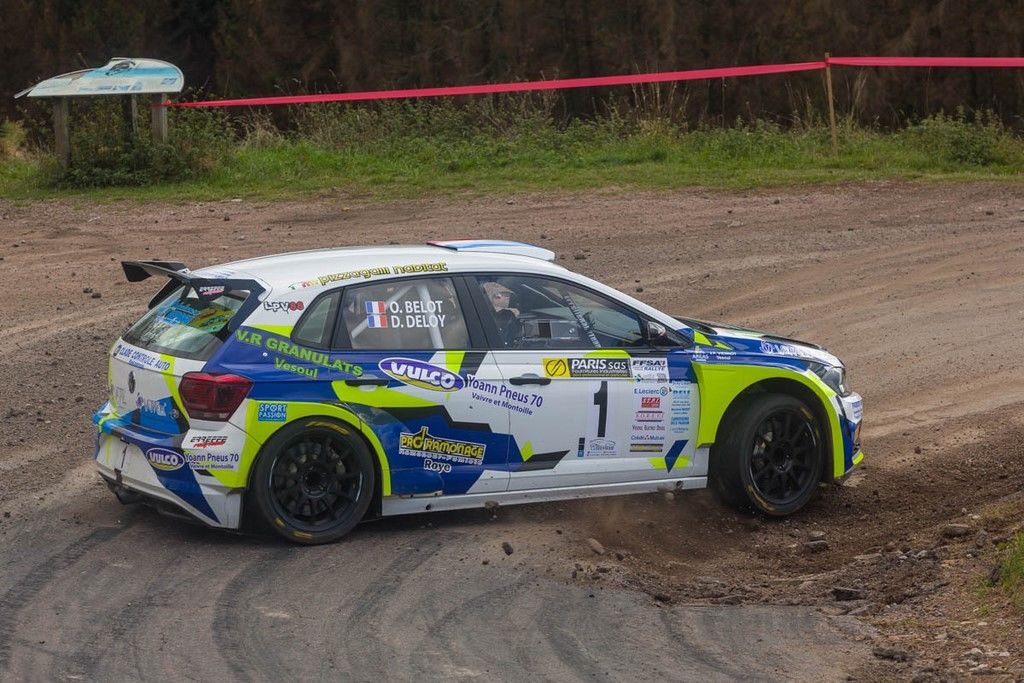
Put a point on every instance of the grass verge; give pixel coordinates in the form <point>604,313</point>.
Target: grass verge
<point>386,155</point>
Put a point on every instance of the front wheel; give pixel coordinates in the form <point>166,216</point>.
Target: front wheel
<point>313,481</point>
<point>770,459</point>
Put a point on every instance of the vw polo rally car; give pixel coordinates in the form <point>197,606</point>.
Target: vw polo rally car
<point>310,390</point>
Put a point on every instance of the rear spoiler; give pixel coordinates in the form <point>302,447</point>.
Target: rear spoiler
<point>179,274</point>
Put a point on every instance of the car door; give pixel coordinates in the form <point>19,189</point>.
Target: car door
<point>420,353</point>
<point>592,401</point>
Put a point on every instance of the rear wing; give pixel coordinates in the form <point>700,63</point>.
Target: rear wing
<point>179,274</point>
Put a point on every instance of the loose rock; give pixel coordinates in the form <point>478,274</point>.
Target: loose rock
<point>816,546</point>
<point>956,530</point>
<point>891,653</point>
<point>596,546</point>
<point>507,547</point>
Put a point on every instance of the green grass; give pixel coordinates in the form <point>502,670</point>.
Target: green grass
<point>1011,576</point>
<point>580,156</point>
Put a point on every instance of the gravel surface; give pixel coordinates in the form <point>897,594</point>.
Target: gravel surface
<point>919,288</point>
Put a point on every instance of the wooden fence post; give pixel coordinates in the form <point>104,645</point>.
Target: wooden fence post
<point>831,105</point>
<point>159,120</point>
<point>61,131</point>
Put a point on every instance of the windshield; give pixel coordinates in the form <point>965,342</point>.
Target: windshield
<point>185,325</point>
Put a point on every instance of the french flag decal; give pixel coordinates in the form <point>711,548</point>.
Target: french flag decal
<point>375,314</point>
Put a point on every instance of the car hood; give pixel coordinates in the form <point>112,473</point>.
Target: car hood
<point>745,340</point>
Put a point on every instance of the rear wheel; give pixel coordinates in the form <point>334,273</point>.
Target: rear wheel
<point>770,459</point>
<point>313,481</point>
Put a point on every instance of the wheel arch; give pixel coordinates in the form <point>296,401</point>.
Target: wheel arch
<point>723,387</point>
<point>260,433</point>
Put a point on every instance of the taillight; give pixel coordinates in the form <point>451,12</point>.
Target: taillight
<point>212,397</point>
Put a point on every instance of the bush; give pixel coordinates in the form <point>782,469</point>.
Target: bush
<point>958,140</point>
<point>104,152</point>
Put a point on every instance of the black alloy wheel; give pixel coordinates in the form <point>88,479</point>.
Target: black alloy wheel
<point>783,456</point>
<point>769,455</point>
<point>314,481</point>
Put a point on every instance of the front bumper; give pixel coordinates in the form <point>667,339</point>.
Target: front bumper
<point>851,413</point>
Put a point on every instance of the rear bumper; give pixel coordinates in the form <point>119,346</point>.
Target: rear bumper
<point>145,464</point>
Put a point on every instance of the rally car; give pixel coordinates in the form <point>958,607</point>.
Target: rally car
<point>311,390</point>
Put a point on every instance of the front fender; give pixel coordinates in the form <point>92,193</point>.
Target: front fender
<point>721,384</point>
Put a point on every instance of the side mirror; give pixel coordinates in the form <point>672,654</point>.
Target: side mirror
<point>656,332</point>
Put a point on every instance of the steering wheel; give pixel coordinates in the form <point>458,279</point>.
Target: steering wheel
<point>510,329</point>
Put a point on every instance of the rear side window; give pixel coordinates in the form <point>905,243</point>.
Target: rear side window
<point>185,325</point>
<point>315,327</point>
<point>417,313</point>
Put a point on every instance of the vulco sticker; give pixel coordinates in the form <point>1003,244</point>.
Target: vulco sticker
<point>272,412</point>
<point>420,374</point>
<point>165,460</point>
<point>587,367</point>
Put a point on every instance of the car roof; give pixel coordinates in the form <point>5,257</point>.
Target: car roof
<point>458,256</point>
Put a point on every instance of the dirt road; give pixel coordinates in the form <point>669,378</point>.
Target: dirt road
<point>919,288</point>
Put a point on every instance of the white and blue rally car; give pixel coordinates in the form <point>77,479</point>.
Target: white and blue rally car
<point>311,390</point>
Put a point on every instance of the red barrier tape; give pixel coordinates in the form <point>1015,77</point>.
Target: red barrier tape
<point>632,79</point>
<point>928,61</point>
<point>695,74</point>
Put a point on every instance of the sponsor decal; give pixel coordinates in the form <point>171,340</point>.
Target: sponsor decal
<point>301,353</point>
<point>682,421</point>
<point>438,267</point>
<point>646,447</point>
<point>283,306</point>
<point>586,367</point>
<point>777,349</point>
<point>650,402</point>
<point>131,382</point>
<point>288,366</point>
<point>140,359</point>
<point>164,459</point>
<point>503,395</point>
<point>650,391</point>
<point>652,369</point>
<point>367,273</point>
<point>420,374</point>
<point>650,416</point>
<point>212,461</point>
<point>203,442</point>
<point>439,467</point>
<point>599,447</point>
<point>322,280</point>
<point>423,445</point>
<point>148,405</point>
<point>210,291</point>
<point>272,412</point>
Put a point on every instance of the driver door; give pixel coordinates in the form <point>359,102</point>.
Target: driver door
<point>589,399</point>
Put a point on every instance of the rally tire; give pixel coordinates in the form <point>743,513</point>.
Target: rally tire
<point>313,481</point>
<point>769,456</point>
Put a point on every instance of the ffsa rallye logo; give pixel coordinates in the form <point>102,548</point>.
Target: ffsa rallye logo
<point>587,367</point>
<point>417,373</point>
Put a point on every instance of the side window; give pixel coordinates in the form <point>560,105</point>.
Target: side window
<point>538,313</point>
<point>315,327</point>
<point>415,313</point>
